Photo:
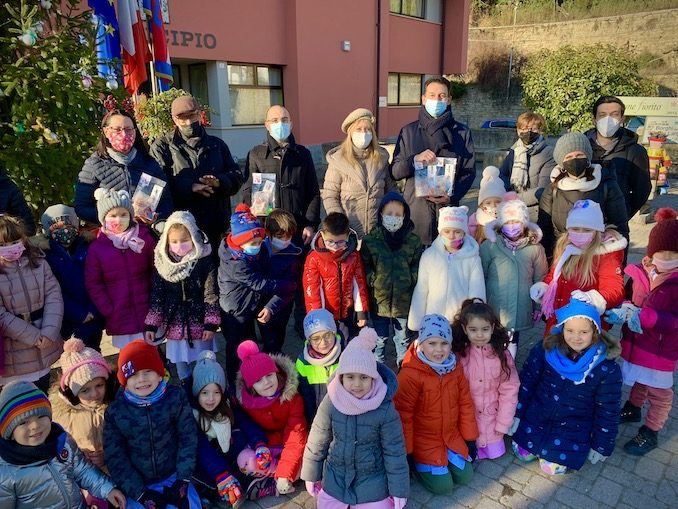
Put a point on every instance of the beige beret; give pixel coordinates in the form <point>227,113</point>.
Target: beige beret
<point>356,114</point>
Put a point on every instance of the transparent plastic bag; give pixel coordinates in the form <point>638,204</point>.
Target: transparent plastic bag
<point>435,179</point>
<point>147,196</point>
<point>263,193</point>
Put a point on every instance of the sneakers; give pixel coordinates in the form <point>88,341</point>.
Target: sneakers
<point>642,443</point>
<point>630,413</point>
<point>260,488</point>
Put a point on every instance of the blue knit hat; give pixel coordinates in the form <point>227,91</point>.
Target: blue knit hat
<point>575,309</point>
<point>208,371</point>
<point>319,320</point>
<point>435,326</point>
<point>244,226</point>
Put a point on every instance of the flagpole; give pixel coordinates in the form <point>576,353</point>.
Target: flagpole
<point>154,79</point>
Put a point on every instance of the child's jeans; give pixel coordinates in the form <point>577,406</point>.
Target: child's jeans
<point>660,401</point>
<point>382,327</point>
<point>325,501</point>
<point>193,497</point>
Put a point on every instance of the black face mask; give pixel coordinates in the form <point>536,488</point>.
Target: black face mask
<point>528,137</point>
<point>191,131</point>
<point>576,167</point>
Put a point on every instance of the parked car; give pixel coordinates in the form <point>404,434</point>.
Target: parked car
<point>503,123</point>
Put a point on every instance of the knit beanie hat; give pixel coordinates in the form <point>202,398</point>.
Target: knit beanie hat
<point>357,357</point>
<point>81,364</point>
<point>244,226</point>
<point>255,364</point>
<point>58,214</point>
<point>664,235</point>
<point>575,309</point>
<point>585,214</point>
<point>491,186</point>
<point>355,115</point>
<point>435,326</point>
<point>572,142</point>
<point>208,371</point>
<point>18,401</point>
<point>109,199</point>
<point>453,217</point>
<point>136,356</point>
<point>319,320</point>
<point>512,210</point>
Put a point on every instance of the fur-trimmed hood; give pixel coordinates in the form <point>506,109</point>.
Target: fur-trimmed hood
<point>612,241</point>
<point>286,365</point>
<point>612,343</point>
<point>492,229</point>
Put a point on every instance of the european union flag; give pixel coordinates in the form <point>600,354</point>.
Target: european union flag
<point>108,38</point>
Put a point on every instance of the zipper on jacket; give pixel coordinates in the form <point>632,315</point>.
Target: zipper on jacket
<point>341,291</point>
<point>60,484</point>
<point>151,441</point>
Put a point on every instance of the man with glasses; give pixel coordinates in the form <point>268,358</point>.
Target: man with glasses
<point>617,149</point>
<point>435,134</point>
<point>201,171</point>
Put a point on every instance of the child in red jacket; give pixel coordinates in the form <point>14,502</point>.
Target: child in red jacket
<point>334,277</point>
<point>266,388</point>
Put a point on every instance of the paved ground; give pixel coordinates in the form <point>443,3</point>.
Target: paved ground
<point>623,481</point>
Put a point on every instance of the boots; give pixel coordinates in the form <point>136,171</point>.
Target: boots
<point>630,413</point>
<point>642,443</point>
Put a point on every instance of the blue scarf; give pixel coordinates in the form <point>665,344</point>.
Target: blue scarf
<point>153,397</point>
<point>578,370</point>
<point>445,367</point>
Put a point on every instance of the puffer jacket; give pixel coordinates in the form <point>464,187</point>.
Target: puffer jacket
<point>13,202</point>
<point>494,392</point>
<point>335,280</point>
<point>282,420</point>
<point>360,458</point>
<point>29,290</point>
<point>437,411</point>
<point>556,203</point>
<point>107,173</point>
<point>356,191</point>
<point>445,280</point>
<point>119,282</point>
<point>509,275</point>
<point>657,346</point>
<point>54,484</point>
<point>145,445</point>
<point>561,420</point>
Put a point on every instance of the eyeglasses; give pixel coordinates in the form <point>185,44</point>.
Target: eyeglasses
<point>327,337</point>
<point>126,130</point>
<point>335,243</point>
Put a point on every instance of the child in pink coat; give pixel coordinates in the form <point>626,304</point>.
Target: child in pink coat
<point>480,342</point>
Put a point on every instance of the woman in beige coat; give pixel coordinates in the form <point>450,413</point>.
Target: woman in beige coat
<point>357,175</point>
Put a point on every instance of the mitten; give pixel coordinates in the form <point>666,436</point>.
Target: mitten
<point>582,296</point>
<point>594,457</point>
<point>399,503</point>
<point>177,494</point>
<point>313,488</point>
<point>514,426</point>
<point>284,486</point>
<point>615,316</point>
<point>151,499</point>
<point>228,488</point>
<point>537,291</point>
<point>263,455</point>
<point>633,318</point>
<point>472,449</point>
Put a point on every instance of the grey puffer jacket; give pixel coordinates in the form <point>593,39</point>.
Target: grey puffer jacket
<point>360,458</point>
<point>55,484</point>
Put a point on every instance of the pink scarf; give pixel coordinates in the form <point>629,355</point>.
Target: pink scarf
<point>348,404</point>
<point>129,239</point>
<point>549,298</point>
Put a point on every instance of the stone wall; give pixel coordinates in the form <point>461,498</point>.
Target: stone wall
<point>476,106</point>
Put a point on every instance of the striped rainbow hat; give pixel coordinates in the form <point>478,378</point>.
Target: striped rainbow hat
<point>18,402</point>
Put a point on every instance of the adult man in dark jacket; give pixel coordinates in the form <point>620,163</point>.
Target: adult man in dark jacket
<point>12,202</point>
<point>201,171</point>
<point>296,183</point>
<point>435,134</point>
<point>617,149</point>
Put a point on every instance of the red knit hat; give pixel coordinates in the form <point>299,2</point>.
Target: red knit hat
<point>664,235</point>
<point>244,226</point>
<point>255,364</point>
<point>136,356</point>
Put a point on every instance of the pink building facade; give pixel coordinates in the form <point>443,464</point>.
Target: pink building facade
<point>320,58</point>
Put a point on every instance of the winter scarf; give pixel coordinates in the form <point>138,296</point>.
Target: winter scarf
<point>153,397</point>
<point>348,404</point>
<point>577,370</point>
<point>445,367</point>
<point>221,430</point>
<point>520,170</point>
<point>121,158</point>
<point>514,245</point>
<point>16,454</point>
<point>324,360</point>
<point>550,294</point>
<point>129,239</point>
<point>433,128</point>
<point>249,401</point>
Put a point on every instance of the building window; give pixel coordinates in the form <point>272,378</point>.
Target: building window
<point>176,76</point>
<point>197,82</point>
<point>430,10</point>
<point>253,90</point>
<point>404,89</point>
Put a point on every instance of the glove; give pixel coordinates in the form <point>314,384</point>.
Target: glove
<point>633,318</point>
<point>263,455</point>
<point>514,426</point>
<point>537,291</point>
<point>472,449</point>
<point>151,499</point>
<point>284,486</point>
<point>615,316</point>
<point>177,494</point>
<point>229,489</point>
<point>594,457</point>
<point>399,503</point>
<point>582,296</point>
<point>313,488</point>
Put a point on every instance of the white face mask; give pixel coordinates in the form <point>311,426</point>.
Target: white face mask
<point>392,223</point>
<point>607,126</point>
<point>361,140</point>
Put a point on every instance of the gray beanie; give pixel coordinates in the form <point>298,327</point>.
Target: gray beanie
<point>572,142</point>
<point>435,326</point>
<point>109,199</point>
<point>19,401</point>
<point>319,320</point>
<point>208,371</point>
<point>57,213</point>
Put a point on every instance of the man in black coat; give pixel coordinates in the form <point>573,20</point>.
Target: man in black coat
<point>296,183</point>
<point>617,149</point>
<point>12,202</point>
<point>435,134</point>
<point>201,171</point>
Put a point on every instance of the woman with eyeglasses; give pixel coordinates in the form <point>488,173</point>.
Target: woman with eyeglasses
<point>120,158</point>
<point>357,175</point>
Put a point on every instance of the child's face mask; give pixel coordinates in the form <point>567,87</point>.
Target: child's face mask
<point>33,431</point>
<point>581,239</point>
<point>12,252</point>
<point>117,220</point>
<point>209,397</point>
<point>392,223</point>
<point>280,243</point>
<point>665,261</point>
<point>252,247</point>
<point>267,385</point>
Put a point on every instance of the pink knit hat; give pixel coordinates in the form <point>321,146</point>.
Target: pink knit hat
<point>255,364</point>
<point>513,210</point>
<point>358,356</point>
<point>453,217</point>
<point>81,364</point>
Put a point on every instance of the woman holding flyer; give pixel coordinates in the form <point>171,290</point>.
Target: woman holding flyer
<point>119,162</point>
<point>357,175</point>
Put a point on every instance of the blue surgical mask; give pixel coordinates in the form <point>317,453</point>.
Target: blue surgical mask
<point>280,131</point>
<point>252,250</point>
<point>280,244</point>
<point>435,108</point>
